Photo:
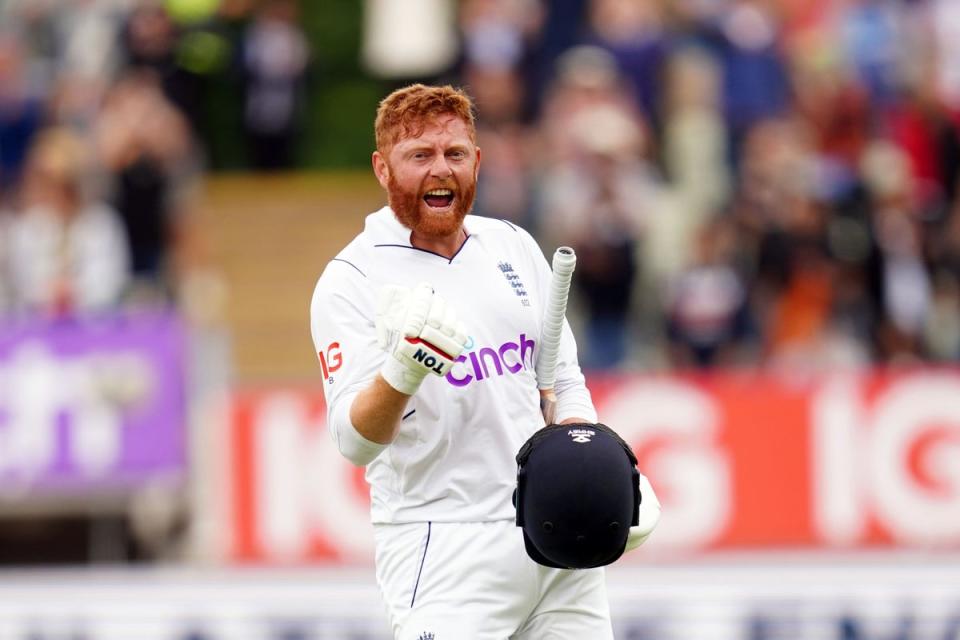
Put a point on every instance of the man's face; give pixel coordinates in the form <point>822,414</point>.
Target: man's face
<point>431,179</point>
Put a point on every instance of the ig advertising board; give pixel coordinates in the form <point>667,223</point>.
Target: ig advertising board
<point>864,460</point>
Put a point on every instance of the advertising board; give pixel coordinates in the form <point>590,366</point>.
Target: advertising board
<point>88,406</point>
<point>739,460</point>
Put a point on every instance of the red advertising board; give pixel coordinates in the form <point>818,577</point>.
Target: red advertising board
<point>739,461</point>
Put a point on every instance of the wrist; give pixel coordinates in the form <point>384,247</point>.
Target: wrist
<point>400,376</point>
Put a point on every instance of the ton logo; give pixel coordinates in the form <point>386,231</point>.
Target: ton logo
<point>429,361</point>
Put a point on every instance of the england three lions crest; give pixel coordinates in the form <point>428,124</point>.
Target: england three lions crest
<point>514,281</point>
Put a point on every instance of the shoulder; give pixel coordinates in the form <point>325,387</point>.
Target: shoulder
<point>483,224</point>
<point>509,237</point>
<point>346,271</point>
<point>500,231</point>
<point>352,264</point>
<point>359,257</point>
<point>347,280</point>
<point>342,288</point>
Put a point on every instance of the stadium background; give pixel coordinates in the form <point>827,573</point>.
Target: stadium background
<point>763,195</point>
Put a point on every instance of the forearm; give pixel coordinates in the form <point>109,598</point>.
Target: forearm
<point>573,400</point>
<point>421,337</point>
<point>376,411</point>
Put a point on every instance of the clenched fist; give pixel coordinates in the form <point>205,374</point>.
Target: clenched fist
<point>421,333</point>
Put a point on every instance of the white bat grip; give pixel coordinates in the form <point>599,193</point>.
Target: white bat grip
<point>564,262</point>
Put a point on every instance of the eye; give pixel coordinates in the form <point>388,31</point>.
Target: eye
<point>458,155</point>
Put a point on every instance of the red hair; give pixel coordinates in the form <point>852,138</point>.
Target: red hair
<point>407,111</point>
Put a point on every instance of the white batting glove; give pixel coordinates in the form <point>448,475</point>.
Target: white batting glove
<point>649,516</point>
<point>421,333</point>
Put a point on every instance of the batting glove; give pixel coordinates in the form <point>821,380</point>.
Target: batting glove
<point>420,332</point>
<point>649,516</point>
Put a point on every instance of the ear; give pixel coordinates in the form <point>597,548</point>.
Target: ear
<point>476,167</point>
<point>381,169</point>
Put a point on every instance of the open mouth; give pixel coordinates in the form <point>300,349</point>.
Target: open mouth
<point>438,198</point>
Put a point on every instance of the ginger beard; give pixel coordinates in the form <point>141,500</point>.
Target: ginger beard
<point>414,213</point>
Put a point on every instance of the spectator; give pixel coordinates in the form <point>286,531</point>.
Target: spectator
<point>871,39</point>
<point>597,193</point>
<point>559,29</point>
<point>146,149</point>
<point>782,233</point>
<point>921,126</point>
<point>21,114</point>
<point>756,81</point>
<point>150,40</point>
<point>900,277</point>
<point>694,139</point>
<point>586,78</point>
<point>275,58</point>
<point>496,38</point>
<point>67,251</point>
<point>706,306</point>
<point>496,63</point>
<point>505,187</point>
<point>633,33</point>
<point>495,32</point>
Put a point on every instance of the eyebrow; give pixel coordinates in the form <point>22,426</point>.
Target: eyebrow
<point>428,147</point>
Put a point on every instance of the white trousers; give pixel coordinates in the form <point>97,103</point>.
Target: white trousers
<point>474,581</point>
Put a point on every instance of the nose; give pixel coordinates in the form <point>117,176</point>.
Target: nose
<point>440,167</point>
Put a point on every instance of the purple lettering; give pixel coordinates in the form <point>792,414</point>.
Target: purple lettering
<point>485,354</point>
<point>510,346</point>
<point>526,344</point>
<point>476,365</point>
<point>521,357</point>
<point>459,382</point>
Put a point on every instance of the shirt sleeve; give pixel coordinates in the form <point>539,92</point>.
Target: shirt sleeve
<point>344,337</point>
<point>573,396</point>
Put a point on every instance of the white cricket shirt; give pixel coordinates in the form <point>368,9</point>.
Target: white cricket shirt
<point>454,457</point>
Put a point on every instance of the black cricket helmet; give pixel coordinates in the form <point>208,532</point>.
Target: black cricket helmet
<point>577,495</point>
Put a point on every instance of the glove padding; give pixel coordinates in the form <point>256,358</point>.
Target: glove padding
<point>649,516</point>
<point>420,332</point>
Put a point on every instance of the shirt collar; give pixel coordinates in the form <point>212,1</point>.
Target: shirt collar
<point>384,228</point>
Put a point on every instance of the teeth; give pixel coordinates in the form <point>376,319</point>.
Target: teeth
<point>440,192</point>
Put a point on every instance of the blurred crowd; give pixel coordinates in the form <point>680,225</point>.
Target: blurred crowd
<point>102,145</point>
<point>745,181</point>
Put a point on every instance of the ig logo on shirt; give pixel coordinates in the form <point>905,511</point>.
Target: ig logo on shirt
<point>331,360</point>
